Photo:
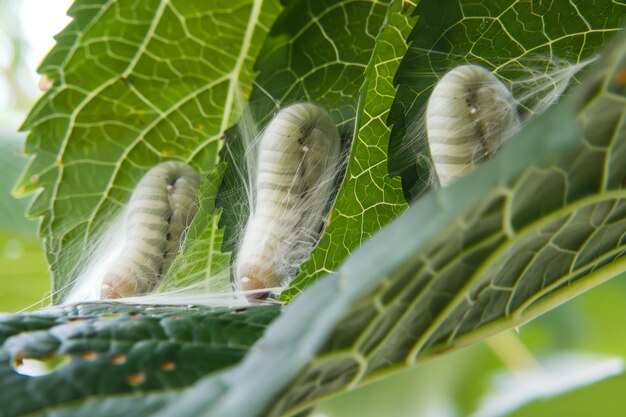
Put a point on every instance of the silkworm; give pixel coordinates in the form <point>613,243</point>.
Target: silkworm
<point>298,162</point>
<point>160,208</point>
<point>470,115</point>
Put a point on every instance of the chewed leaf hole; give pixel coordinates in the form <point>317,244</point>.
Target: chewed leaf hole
<point>110,315</point>
<point>31,366</point>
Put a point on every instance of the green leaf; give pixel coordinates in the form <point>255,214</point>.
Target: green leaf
<point>369,198</point>
<point>136,403</point>
<point>519,41</point>
<point>133,86</point>
<point>317,51</point>
<point>540,223</point>
<point>543,221</point>
<point>114,349</point>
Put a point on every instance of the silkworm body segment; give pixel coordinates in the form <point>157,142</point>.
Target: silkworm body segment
<point>297,164</point>
<point>470,115</point>
<point>161,207</point>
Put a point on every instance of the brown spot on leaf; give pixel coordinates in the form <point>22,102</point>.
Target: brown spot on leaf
<point>89,355</point>
<point>168,365</point>
<point>620,77</point>
<point>136,378</point>
<point>76,319</point>
<point>118,359</point>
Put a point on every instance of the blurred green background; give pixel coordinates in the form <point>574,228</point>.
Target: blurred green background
<point>23,269</point>
<point>26,30</point>
<point>454,385</point>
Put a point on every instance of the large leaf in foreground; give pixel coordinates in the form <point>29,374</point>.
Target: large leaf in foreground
<point>133,86</point>
<point>542,222</point>
<point>114,349</point>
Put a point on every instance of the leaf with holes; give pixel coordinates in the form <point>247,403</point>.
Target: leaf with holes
<point>108,350</point>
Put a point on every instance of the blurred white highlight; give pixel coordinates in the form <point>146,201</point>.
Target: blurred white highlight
<point>557,375</point>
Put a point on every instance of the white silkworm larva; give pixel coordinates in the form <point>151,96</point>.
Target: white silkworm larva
<point>298,161</point>
<point>160,208</point>
<point>470,115</point>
